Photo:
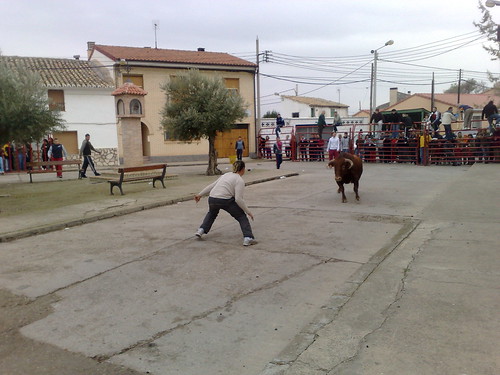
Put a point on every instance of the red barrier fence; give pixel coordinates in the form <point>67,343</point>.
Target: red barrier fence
<point>420,147</point>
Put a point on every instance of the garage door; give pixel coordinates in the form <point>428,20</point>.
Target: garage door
<point>224,142</point>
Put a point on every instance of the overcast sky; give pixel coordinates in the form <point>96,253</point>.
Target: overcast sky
<point>298,32</point>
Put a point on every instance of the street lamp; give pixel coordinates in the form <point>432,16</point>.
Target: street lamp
<point>373,104</point>
<point>491,3</point>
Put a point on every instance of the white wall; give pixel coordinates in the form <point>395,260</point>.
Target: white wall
<point>92,111</point>
<point>289,106</point>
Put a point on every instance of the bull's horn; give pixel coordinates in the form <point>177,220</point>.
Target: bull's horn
<point>350,162</point>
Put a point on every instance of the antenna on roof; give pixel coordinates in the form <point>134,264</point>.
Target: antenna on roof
<point>156,26</point>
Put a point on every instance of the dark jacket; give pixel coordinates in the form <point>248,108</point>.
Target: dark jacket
<point>488,110</point>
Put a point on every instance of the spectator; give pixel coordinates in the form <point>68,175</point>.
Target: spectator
<point>337,121</point>
<point>7,153</point>
<point>468,111</point>
<point>85,150</point>
<point>344,143</point>
<point>378,119</point>
<point>2,169</point>
<point>288,147</point>
<point>239,146</point>
<point>490,112</point>
<point>29,154</point>
<point>21,156</point>
<point>262,146</point>
<point>227,194</point>
<point>57,152</point>
<point>434,119</point>
<point>278,151</point>
<point>303,146</point>
<point>370,148</point>
<point>424,141</point>
<point>447,118</point>
<point>333,147</point>
<point>321,149</point>
<point>44,150</point>
<point>279,124</point>
<point>407,123</point>
<point>471,152</point>
<point>359,144</point>
<point>267,148</point>
<point>395,120</point>
<point>321,124</point>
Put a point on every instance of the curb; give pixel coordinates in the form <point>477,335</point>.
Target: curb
<point>11,236</point>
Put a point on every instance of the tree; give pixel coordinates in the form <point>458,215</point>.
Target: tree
<point>489,28</point>
<point>271,114</point>
<point>199,106</point>
<point>24,108</point>
<point>469,86</point>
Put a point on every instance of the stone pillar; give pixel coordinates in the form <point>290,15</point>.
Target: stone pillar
<point>129,105</point>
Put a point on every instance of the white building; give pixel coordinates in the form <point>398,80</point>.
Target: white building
<point>82,94</point>
<point>302,106</point>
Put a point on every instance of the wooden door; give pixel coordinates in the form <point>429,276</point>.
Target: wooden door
<point>224,142</point>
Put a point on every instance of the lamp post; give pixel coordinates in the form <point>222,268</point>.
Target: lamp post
<point>373,104</point>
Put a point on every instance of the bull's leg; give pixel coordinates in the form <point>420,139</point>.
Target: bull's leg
<point>341,190</point>
<point>356,185</point>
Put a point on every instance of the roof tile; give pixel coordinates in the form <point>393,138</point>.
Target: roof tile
<point>61,73</point>
<point>171,56</point>
<point>128,88</point>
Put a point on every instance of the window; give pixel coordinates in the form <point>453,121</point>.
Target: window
<point>120,107</point>
<point>232,84</point>
<point>332,110</point>
<point>56,100</point>
<point>135,107</point>
<point>167,136</point>
<point>312,112</point>
<point>135,79</point>
<point>295,114</point>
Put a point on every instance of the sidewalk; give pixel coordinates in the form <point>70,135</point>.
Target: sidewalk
<point>193,180</point>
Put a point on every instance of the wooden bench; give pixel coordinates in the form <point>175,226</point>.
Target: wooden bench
<point>47,164</point>
<point>155,176</point>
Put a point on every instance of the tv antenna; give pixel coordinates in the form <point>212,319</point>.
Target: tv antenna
<point>156,26</point>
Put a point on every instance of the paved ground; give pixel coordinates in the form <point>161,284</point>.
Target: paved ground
<point>403,282</point>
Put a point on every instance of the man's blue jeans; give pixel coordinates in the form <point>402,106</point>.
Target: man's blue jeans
<point>231,207</point>
<point>492,117</point>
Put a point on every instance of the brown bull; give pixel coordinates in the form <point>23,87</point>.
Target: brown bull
<point>348,168</point>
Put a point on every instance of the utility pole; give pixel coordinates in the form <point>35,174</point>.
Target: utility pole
<point>432,92</point>
<point>257,84</point>
<point>459,85</point>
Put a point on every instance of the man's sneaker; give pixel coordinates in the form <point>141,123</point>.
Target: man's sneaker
<point>97,174</point>
<point>247,241</point>
<point>83,176</point>
<point>199,233</point>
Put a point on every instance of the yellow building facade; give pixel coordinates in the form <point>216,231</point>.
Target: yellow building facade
<point>150,68</point>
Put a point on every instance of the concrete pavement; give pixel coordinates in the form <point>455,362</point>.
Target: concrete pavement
<point>403,282</point>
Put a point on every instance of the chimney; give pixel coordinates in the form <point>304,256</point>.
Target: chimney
<point>201,49</point>
<point>90,48</point>
<point>393,95</point>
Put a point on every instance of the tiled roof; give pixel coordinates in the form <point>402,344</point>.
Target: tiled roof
<point>128,88</point>
<point>315,102</point>
<point>60,73</point>
<point>171,56</point>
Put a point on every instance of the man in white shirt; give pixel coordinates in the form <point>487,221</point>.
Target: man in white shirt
<point>447,118</point>
<point>333,146</point>
<point>227,194</point>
